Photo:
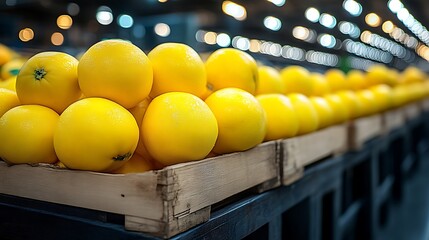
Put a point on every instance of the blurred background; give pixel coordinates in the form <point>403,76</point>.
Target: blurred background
<point>318,34</point>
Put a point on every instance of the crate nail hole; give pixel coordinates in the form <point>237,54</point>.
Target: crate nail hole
<point>122,195</point>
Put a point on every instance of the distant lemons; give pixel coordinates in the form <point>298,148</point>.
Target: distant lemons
<point>282,120</point>
<point>377,74</point>
<point>320,85</point>
<point>341,112</point>
<point>177,68</point>
<point>356,80</point>
<point>351,101</point>
<point>28,132</point>
<point>9,83</point>
<point>269,81</point>
<point>383,96</point>
<point>241,120</point>
<point>324,111</point>
<point>11,68</point>
<point>117,70</point>
<point>8,100</point>
<point>296,79</point>
<point>228,67</point>
<point>306,112</point>
<point>336,79</point>
<point>178,127</point>
<point>367,100</point>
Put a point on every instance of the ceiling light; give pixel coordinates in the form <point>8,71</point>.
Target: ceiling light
<point>235,10</point>
<point>278,3</point>
<point>162,29</point>
<point>312,14</point>
<point>301,33</point>
<point>327,40</point>
<point>104,15</point>
<point>272,23</point>
<point>372,20</point>
<point>327,20</point>
<point>387,27</point>
<point>223,40</point>
<point>353,7</point>
<point>395,5</point>
<point>64,21</point>
<point>125,21</point>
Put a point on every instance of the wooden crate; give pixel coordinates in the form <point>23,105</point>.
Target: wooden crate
<point>301,151</point>
<point>363,129</point>
<point>392,119</point>
<point>411,110</point>
<point>162,203</point>
<point>424,104</point>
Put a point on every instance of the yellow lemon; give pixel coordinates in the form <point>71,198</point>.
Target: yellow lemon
<point>178,127</point>
<point>393,77</point>
<point>269,81</point>
<point>341,112</point>
<point>228,67</point>
<point>411,74</point>
<point>352,102</point>
<point>336,79</point>
<point>307,114</point>
<point>8,100</point>
<point>296,79</point>
<point>282,120</point>
<point>383,96</point>
<point>367,101</point>
<point>116,70</point>
<point>27,132</point>
<point>136,164</point>
<point>356,80</point>
<point>138,112</point>
<point>6,54</point>
<point>377,74</point>
<point>177,68</point>
<point>240,117</point>
<point>95,134</point>
<point>49,79</point>
<point>320,85</point>
<point>324,111</point>
<point>9,83</point>
<point>11,68</point>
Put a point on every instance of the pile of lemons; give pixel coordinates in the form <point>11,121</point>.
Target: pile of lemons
<point>119,110</point>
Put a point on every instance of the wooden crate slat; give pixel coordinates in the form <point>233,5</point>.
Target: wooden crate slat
<point>363,129</point>
<point>301,151</point>
<point>392,119</point>
<point>220,177</point>
<point>131,194</point>
<point>411,110</point>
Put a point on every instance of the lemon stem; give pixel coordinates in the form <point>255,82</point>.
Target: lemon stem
<point>122,157</point>
<point>39,73</point>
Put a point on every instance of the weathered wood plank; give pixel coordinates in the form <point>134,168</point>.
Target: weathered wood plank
<point>130,194</point>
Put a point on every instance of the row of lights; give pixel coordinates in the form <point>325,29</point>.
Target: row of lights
<point>360,63</point>
<point>409,21</point>
<point>394,32</point>
<point>104,16</point>
<point>382,43</point>
<point>362,50</point>
<point>325,19</point>
<point>266,47</point>
<point>349,28</point>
